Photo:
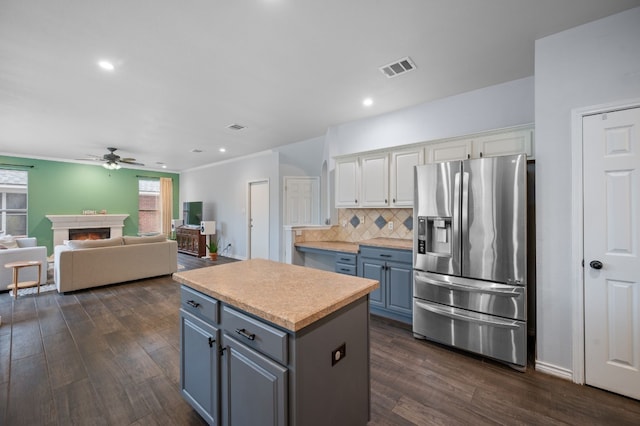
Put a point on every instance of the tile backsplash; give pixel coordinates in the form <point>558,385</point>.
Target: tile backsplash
<point>362,224</point>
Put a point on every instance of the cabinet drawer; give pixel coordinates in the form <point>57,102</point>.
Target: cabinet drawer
<point>255,334</point>
<point>346,258</point>
<point>199,304</point>
<point>396,255</point>
<point>342,268</point>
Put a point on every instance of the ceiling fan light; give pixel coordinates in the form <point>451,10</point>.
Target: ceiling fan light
<point>110,165</point>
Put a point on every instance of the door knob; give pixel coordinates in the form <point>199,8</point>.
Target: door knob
<point>595,264</point>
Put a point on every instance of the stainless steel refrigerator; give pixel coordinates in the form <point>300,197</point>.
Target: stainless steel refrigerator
<point>470,256</point>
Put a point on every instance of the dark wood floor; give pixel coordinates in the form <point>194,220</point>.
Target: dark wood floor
<point>110,356</point>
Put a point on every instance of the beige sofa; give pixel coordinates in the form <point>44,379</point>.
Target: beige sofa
<point>92,263</point>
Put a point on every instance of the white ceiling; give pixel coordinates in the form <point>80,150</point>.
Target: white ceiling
<point>286,69</point>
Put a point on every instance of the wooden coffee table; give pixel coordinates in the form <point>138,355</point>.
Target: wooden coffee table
<point>16,272</point>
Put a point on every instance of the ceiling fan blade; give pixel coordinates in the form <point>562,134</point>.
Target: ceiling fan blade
<point>126,161</point>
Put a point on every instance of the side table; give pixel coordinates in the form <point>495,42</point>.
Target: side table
<point>16,271</point>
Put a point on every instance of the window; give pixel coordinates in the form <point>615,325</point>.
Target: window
<point>13,202</point>
<point>149,206</point>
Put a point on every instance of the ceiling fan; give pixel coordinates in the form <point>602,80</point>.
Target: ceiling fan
<point>112,160</point>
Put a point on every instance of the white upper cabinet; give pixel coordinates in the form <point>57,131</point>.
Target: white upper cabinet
<point>374,172</point>
<point>347,182</point>
<point>507,143</point>
<point>385,178</point>
<point>449,151</point>
<point>488,145</point>
<point>401,178</point>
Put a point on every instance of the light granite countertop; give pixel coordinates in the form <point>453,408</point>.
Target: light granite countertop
<point>290,296</point>
<point>341,246</point>
<point>347,247</point>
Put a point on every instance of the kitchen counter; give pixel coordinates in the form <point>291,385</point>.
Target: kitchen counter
<point>347,247</point>
<point>290,296</point>
<point>340,246</point>
<point>269,343</point>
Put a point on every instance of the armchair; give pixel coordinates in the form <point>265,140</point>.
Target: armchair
<point>26,250</point>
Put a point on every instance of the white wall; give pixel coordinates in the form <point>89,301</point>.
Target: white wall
<point>592,64</point>
<point>503,105</point>
<point>223,187</point>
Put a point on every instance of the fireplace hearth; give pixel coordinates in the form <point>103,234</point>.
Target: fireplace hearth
<point>89,234</point>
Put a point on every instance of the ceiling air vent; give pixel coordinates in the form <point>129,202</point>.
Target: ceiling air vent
<point>236,127</point>
<point>398,67</point>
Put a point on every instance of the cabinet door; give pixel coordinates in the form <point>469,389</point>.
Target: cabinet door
<point>254,388</point>
<point>374,173</point>
<point>375,270</point>
<point>508,143</point>
<point>400,288</point>
<point>347,182</point>
<point>199,366</point>
<point>402,165</point>
<point>449,151</point>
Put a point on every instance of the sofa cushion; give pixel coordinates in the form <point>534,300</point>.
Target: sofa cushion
<point>129,240</point>
<point>107,242</point>
<point>8,241</point>
<point>26,242</point>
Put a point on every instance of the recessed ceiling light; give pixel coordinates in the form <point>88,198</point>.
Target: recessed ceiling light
<point>367,102</point>
<point>223,150</point>
<point>164,166</point>
<point>106,65</point>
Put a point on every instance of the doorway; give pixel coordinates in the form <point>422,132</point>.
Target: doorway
<point>258,220</point>
<point>608,285</point>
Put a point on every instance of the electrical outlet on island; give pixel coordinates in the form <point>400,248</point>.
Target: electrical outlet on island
<point>390,225</point>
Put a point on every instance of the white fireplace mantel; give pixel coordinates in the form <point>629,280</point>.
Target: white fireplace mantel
<point>61,223</point>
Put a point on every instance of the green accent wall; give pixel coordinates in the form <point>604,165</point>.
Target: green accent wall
<point>57,187</point>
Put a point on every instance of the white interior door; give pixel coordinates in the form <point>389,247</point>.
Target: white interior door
<point>259,220</point>
<point>301,200</point>
<point>611,179</point>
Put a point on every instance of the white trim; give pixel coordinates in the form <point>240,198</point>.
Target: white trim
<point>577,228</point>
<point>553,370</point>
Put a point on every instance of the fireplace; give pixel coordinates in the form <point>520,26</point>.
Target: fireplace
<point>89,233</point>
<point>64,225</point>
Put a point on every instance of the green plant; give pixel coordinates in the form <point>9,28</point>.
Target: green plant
<point>213,245</point>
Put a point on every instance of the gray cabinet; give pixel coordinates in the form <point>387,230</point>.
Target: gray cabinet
<point>254,388</point>
<point>393,269</point>
<point>238,369</point>
<point>199,365</point>
<point>346,263</point>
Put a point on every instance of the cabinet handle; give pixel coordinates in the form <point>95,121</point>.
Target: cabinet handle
<point>385,201</point>
<point>480,154</point>
<point>193,303</point>
<point>245,333</point>
<point>355,201</point>
<point>211,341</point>
<point>386,255</point>
<point>394,201</point>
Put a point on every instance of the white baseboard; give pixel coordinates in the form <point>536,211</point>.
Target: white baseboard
<point>554,370</point>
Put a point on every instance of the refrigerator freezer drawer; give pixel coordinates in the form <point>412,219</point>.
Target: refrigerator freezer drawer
<point>481,296</point>
<point>494,337</point>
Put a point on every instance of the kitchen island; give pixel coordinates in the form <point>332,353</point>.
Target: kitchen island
<point>264,342</point>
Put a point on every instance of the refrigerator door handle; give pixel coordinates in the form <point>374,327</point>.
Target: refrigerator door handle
<point>469,288</point>
<point>465,204</point>
<point>453,314</point>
